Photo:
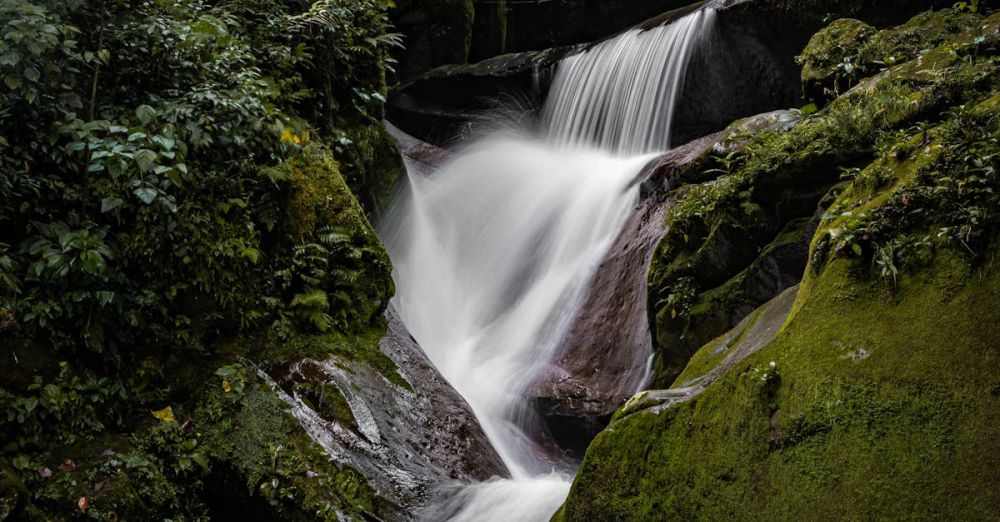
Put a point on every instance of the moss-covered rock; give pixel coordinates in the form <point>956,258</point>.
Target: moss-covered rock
<point>879,394</point>
<point>830,58</point>
<point>719,229</point>
<point>334,248</point>
<point>375,165</point>
<point>847,50</point>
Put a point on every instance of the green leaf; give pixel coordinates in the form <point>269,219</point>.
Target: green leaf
<point>13,81</point>
<point>31,74</point>
<point>146,159</point>
<point>109,204</point>
<point>145,113</point>
<point>165,142</point>
<point>146,194</point>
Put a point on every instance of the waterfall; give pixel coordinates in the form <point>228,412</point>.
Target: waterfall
<point>492,254</point>
<point>621,94</point>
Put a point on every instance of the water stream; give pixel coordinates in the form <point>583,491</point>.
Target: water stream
<point>493,252</point>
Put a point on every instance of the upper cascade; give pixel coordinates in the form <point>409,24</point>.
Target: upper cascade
<point>621,94</point>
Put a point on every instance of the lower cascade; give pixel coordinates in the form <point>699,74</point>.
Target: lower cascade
<point>493,252</point>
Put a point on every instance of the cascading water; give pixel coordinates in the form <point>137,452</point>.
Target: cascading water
<point>620,95</point>
<point>492,253</point>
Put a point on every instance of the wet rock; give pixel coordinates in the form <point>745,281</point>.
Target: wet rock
<point>748,67</point>
<point>606,355</point>
<point>419,156</point>
<point>403,428</point>
<point>444,104</point>
<point>603,359</point>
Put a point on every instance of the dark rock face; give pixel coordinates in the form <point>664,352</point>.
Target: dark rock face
<point>437,32</point>
<point>747,67</point>
<point>419,156</point>
<point>404,437</point>
<point>741,70</point>
<point>460,31</point>
<point>603,359</point>
<point>447,103</point>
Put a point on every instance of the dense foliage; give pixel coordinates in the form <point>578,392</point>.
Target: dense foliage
<point>172,173</point>
<point>133,135</point>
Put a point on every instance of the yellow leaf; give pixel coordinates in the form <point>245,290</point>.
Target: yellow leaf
<point>226,386</point>
<point>685,238</point>
<point>673,313</point>
<point>165,415</point>
<point>286,136</point>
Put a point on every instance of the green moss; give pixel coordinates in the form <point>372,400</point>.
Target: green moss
<point>338,263</point>
<point>361,349</point>
<point>375,165</point>
<point>883,404</point>
<point>884,388</point>
<point>252,439</point>
<point>328,401</point>
<point>717,230</point>
<point>848,50</point>
<point>832,53</point>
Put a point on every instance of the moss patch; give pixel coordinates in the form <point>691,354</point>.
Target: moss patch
<point>883,404</point>
<point>718,229</point>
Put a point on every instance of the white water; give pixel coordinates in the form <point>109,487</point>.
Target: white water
<point>621,94</point>
<point>493,252</point>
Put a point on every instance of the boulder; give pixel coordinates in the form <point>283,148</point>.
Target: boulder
<point>445,104</point>
<point>419,156</point>
<point>387,419</point>
<point>748,67</point>
<point>606,355</point>
<point>874,396</point>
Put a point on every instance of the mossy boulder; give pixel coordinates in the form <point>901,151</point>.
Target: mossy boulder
<point>375,165</point>
<point>864,415</point>
<point>359,425</point>
<point>877,394</point>
<point>847,50</point>
<point>329,235</point>
<point>718,229</point>
<point>830,58</point>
